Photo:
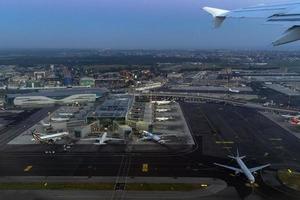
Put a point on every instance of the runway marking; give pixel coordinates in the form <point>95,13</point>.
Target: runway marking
<point>145,167</point>
<point>279,147</point>
<point>28,168</point>
<point>275,139</point>
<point>204,185</point>
<point>224,142</point>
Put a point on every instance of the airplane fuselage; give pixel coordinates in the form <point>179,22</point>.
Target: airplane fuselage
<point>154,137</point>
<point>60,119</point>
<point>161,102</point>
<point>245,170</point>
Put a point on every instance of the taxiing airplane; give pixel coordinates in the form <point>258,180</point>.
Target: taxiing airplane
<point>154,137</point>
<point>60,119</point>
<point>103,139</point>
<point>48,138</point>
<point>285,14</point>
<point>164,102</point>
<point>248,172</point>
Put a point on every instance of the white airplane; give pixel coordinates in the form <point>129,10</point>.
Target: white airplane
<point>248,172</point>
<point>60,119</point>
<point>154,137</point>
<point>162,110</point>
<point>290,116</point>
<point>233,90</point>
<point>103,139</point>
<point>66,114</point>
<point>285,14</point>
<point>48,138</point>
<point>164,102</point>
<point>46,125</point>
<point>162,119</point>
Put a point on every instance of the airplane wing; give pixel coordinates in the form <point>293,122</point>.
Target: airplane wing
<point>286,14</point>
<point>89,139</point>
<point>168,136</point>
<point>144,138</point>
<point>229,167</point>
<point>254,169</point>
<point>99,143</point>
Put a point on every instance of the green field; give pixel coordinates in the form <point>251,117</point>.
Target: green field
<point>290,179</point>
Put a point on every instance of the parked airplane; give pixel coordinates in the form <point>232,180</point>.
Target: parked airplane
<point>285,14</point>
<point>290,116</point>
<point>46,125</point>
<point>233,90</point>
<point>103,139</point>
<point>164,102</point>
<point>162,110</point>
<point>161,119</point>
<point>154,137</point>
<point>248,172</point>
<point>66,114</point>
<point>48,138</point>
<point>60,119</point>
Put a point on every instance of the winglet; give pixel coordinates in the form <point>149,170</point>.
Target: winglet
<point>219,15</point>
<point>290,35</point>
<point>216,12</point>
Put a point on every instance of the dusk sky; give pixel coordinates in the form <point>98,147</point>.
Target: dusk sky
<point>130,24</point>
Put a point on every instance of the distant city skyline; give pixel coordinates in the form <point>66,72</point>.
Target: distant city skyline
<point>131,24</point>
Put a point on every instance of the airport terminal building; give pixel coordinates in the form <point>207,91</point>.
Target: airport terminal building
<point>63,96</point>
<point>114,108</point>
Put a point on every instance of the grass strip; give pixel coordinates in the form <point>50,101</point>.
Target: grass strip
<point>290,178</point>
<point>103,186</point>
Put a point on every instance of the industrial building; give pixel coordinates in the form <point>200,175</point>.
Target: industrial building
<point>55,96</point>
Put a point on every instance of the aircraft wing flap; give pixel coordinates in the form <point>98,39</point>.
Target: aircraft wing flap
<point>254,169</point>
<point>229,167</point>
<point>290,35</point>
<point>265,11</point>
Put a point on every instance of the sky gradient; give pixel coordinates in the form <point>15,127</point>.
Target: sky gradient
<point>130,24</point>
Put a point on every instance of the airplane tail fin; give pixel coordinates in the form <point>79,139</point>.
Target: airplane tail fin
<point>35,136</point>
<point>219,15</point>
<point>237,155</point>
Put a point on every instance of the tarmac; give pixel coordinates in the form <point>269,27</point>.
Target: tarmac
<point>217,130</point>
